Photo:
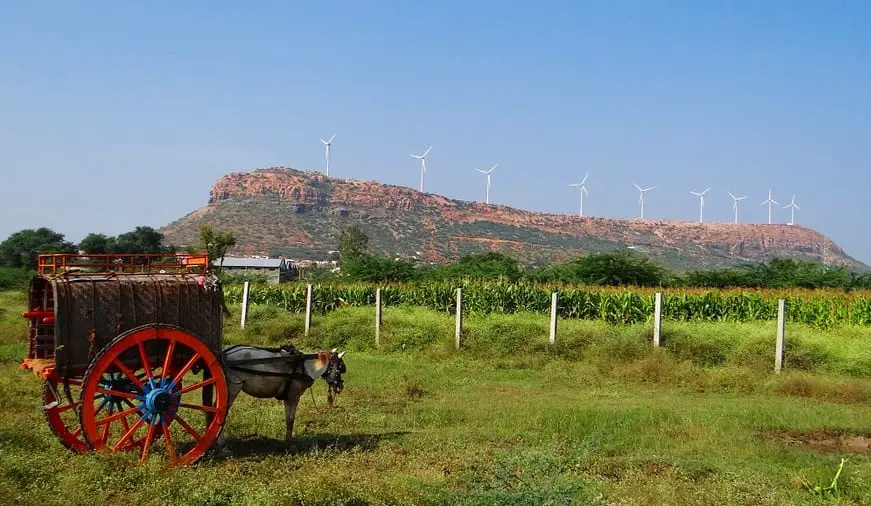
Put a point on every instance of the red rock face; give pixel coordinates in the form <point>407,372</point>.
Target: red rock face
<point>296,189</point>
<point>318,192</point>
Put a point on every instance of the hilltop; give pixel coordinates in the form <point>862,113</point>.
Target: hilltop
<point>282,211</point>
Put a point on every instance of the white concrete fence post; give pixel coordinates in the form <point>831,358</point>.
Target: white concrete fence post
<point>657,320</point>
<point>781,331</point>
<point>554,306</point>
<point>378,316</point>
<point>459,329</point>
<point>244,304</point>
<point>308,308</point>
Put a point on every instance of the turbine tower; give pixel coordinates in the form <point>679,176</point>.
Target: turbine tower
<point>769,201</point>
<point>735,204</point>
<point>327,155</point>
<point>488,172</point>
<point>641,198</point>
<point>794,207</point>
<point>422,159</point>
<point>583,190</point>
<point>701,197</point>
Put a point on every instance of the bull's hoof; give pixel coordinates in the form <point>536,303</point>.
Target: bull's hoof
<point>223,452</point>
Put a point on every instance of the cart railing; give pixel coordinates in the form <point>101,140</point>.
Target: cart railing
<point>126,263</point>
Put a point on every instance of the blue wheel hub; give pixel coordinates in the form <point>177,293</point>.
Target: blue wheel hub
<point>158,402</point>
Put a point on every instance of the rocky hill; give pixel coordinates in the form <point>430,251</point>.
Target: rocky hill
<point>281,211</point>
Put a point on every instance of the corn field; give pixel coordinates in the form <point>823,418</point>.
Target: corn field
<point>821,308</point>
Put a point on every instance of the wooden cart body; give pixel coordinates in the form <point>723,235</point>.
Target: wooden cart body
<point>93,317</point>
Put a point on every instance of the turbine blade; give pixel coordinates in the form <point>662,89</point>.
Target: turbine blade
<point>584,189</point>
<point>331,138</point>
<point>706,190</point>
<point>585,178</point>
<point>730,194</point>
<point>639,188</point>
<point>426,152</point>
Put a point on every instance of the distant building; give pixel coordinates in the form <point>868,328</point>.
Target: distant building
<point>328,264</point>
<point>276,270</point>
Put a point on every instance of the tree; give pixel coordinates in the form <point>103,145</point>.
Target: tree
<point>95,244</point>
<point>22,248</point>
<point>353,242</point>
<point>490,265</point>
<point>620,268</point>
<point>367,267</point>
<point>216,244</point>
<point>141,240</point>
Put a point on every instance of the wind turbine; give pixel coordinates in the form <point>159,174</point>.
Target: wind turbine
<point>701,197</point>
<point>422,159</point>
<point>488,172</point>
<point>735,204</point>
<point>794,207</point>
<point>641,199</point>
<point>769,201</point>
<point>327,156</point>
<point>583,190</point>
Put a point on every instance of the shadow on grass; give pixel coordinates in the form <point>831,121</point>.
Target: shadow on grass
<point>259,446</point>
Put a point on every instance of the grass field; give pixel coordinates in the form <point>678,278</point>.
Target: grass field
<point>602,418</point>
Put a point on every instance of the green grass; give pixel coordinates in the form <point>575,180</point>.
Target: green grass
<point>600,419</point>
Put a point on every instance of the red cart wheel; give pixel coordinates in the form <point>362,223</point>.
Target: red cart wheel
<point>61,413</point>
<point>159,406</point>
<point>63,417</point>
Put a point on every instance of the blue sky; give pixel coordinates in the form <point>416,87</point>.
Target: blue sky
<point>117,114</point>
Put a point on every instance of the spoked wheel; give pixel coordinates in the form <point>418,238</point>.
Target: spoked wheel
<point>148,399</point>
<point>62,415</point>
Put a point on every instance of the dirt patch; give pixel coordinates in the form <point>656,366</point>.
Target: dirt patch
<point>824,440</point>
<point>657,468</point>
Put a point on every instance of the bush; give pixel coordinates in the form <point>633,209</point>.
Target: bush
<point>14,279</point>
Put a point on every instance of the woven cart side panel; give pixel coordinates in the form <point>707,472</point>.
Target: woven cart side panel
<point>77,320</point>
<point>108,307</point>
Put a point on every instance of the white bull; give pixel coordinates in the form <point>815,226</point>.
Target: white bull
<point>285,380</point>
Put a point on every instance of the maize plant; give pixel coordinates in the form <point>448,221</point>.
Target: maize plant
<point>821,308</point>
